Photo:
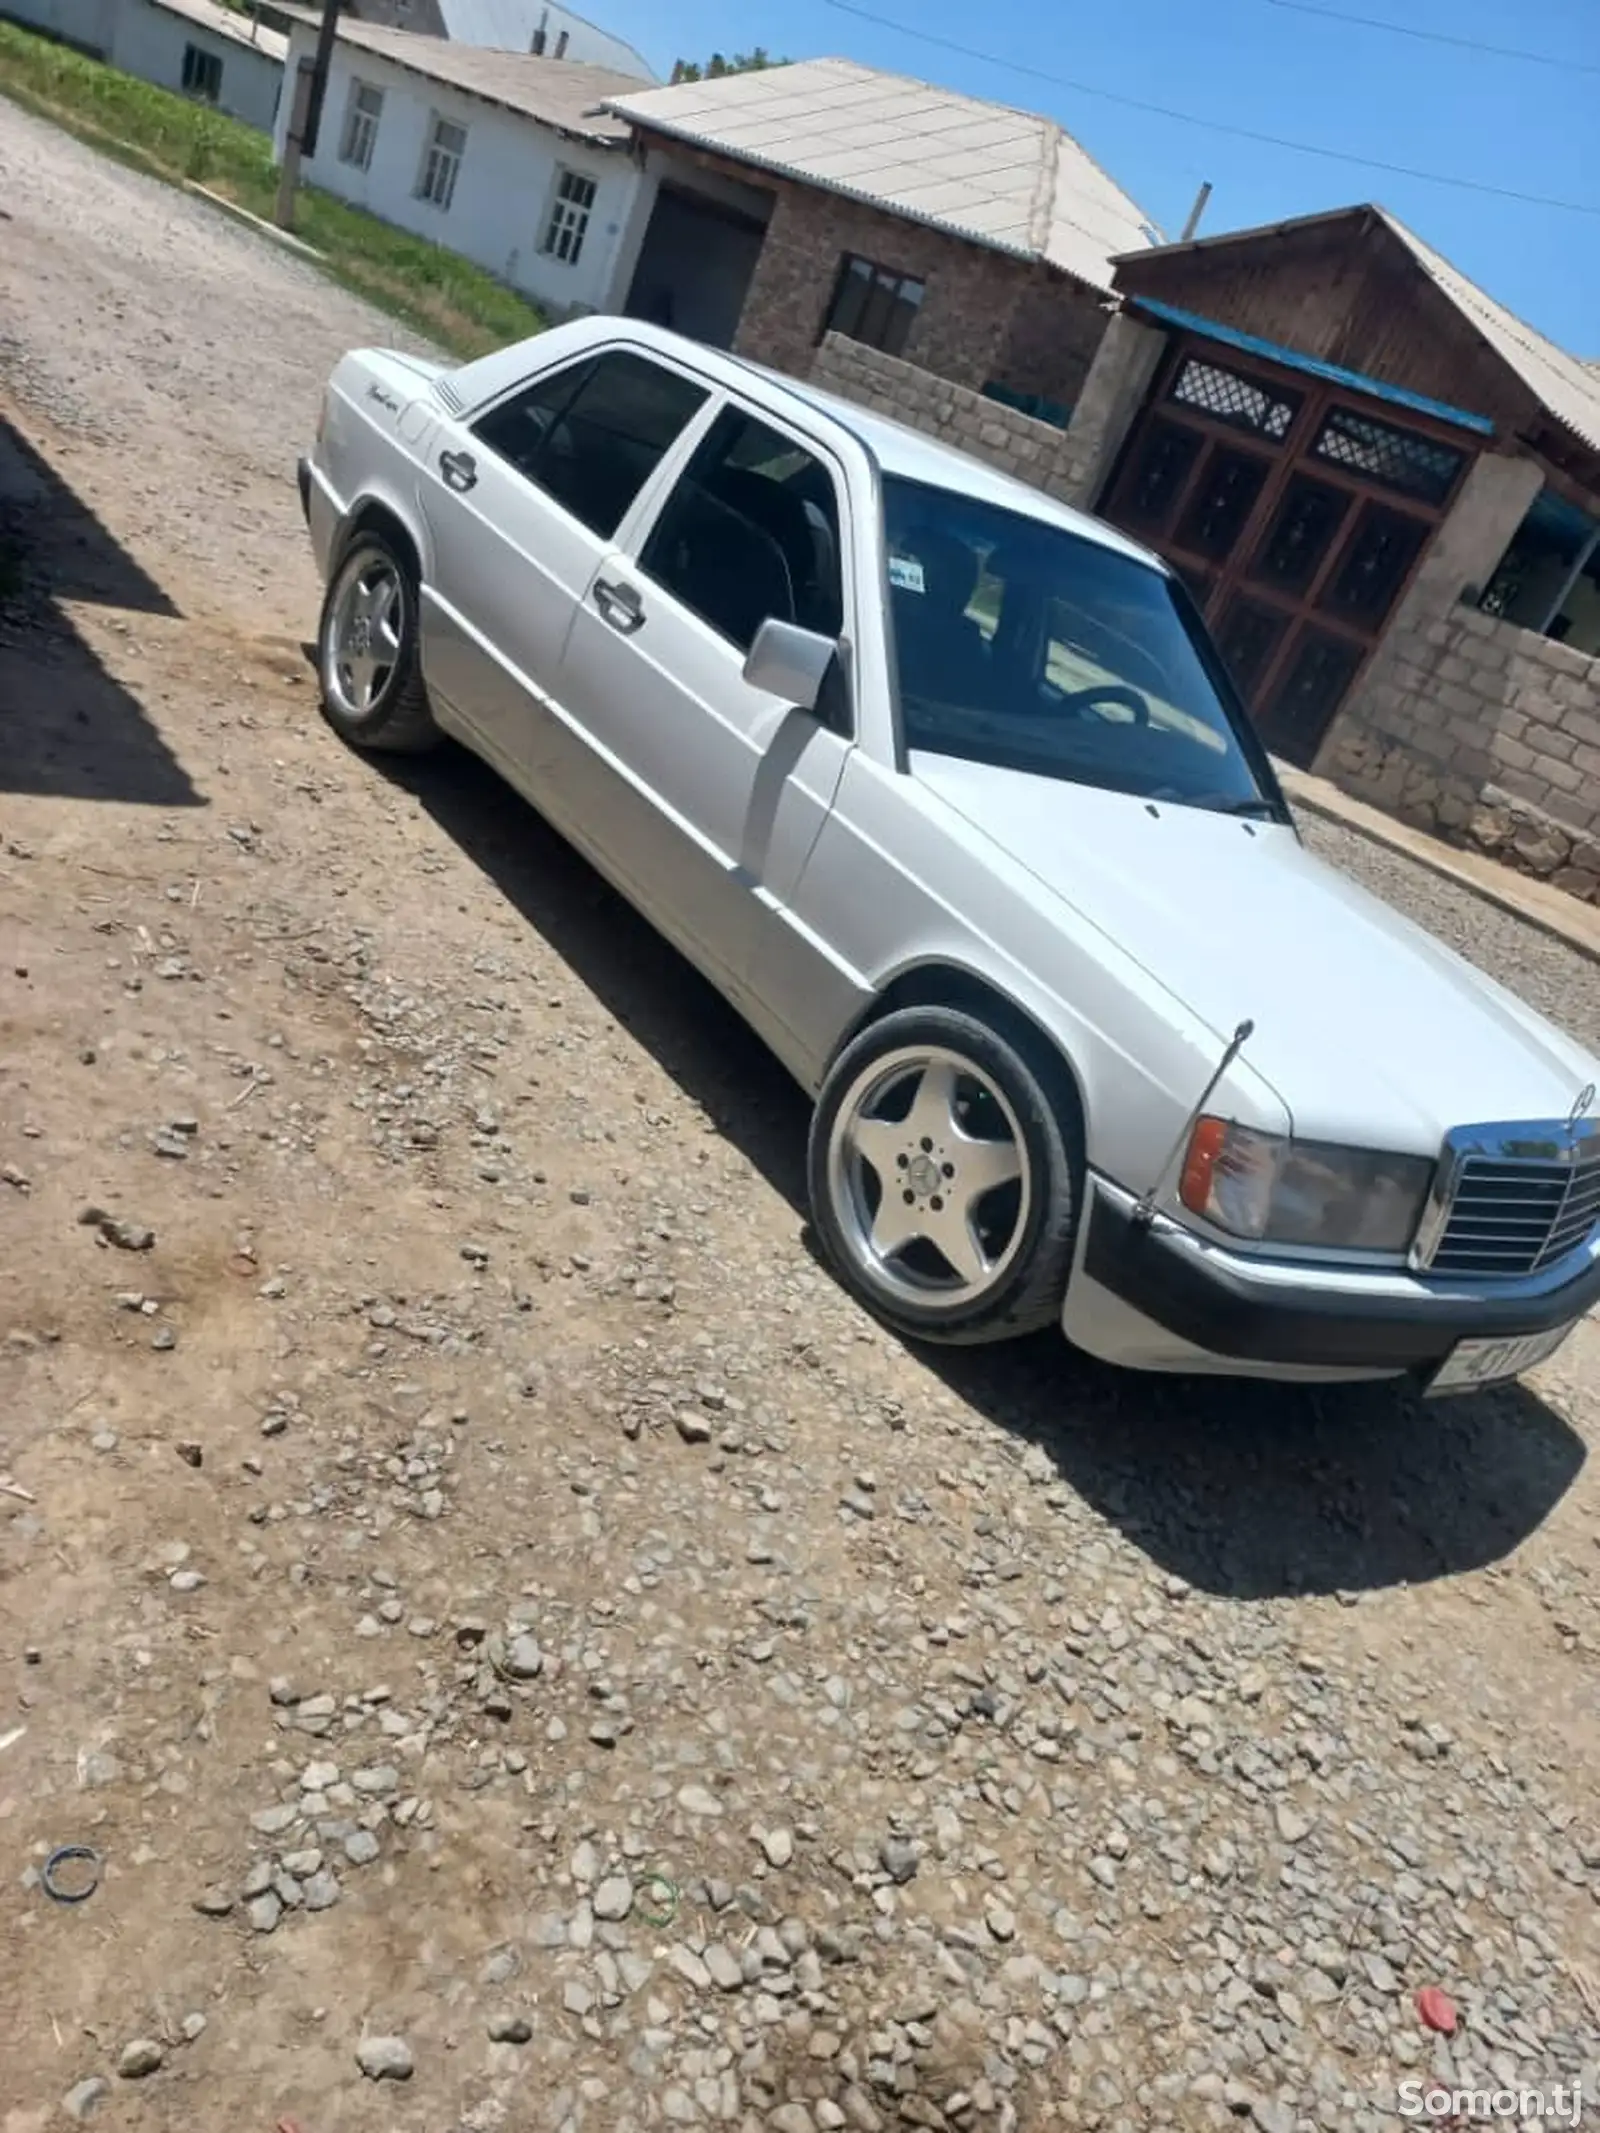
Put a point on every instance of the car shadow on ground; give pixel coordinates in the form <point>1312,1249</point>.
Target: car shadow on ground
<point>68,729</point>
<point>1240,1488</point>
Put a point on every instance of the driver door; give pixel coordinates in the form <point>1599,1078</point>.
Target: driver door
<point>713,792</point>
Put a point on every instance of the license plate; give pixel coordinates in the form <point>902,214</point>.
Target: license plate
<point>1473,1363</point>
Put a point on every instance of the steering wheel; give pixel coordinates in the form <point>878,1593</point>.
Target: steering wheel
<point>1109,692</point>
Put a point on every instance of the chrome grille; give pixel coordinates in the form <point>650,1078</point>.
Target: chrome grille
<point>1512,1200</point>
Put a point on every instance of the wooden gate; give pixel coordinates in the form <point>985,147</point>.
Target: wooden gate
<point>1295,511</point>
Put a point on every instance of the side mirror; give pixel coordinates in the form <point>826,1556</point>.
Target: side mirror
<point>790,662</point>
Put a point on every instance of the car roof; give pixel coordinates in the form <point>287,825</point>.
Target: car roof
<point>896,447</point>
<point>913,455</point>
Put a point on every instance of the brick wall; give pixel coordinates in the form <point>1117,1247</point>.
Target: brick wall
<point>1485,734</point>
<point>959,331</point>
<point>1051,341</point>
<point>1034,451</point>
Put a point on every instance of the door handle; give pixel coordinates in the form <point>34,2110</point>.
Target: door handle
<point>620,604</point>
<point>459,469</point>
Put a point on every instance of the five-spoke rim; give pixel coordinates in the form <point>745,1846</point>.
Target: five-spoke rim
<point>929,1177</point>
<point>364,632</point>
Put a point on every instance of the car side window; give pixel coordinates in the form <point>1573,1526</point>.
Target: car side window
<point>751,531</point>
<point>592,435</point>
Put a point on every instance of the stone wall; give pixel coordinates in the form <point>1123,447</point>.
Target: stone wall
<point>1033,451</point>
<point>1486,735</point>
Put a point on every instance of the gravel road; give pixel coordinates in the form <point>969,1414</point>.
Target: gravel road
<point>526,1652</point>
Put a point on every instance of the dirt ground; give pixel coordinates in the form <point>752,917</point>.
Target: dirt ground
<point>527,1653</point>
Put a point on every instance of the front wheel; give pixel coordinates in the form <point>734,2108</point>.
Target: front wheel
<point>944,1180</point>
<point>367,653</point>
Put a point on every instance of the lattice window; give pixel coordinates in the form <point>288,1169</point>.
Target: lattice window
<point>1226,396</point>
<point>1398,459</point>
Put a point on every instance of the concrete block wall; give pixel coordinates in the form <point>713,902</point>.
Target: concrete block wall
<point>955,414</point>
<point>1469,727</point>
<point>1487,735</point>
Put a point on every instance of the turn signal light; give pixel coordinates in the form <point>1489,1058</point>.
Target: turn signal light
<point>1206,1144</point>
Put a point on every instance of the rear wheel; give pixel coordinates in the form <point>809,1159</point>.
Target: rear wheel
<point>944,1180</point>
<point>372,689</point>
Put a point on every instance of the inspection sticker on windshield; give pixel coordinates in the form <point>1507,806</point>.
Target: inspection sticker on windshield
<point>906,572</point>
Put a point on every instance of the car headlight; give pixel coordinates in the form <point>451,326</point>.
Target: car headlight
<point>1268,1187</point>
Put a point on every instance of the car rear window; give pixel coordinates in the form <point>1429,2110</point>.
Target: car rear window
<point>591,434</point>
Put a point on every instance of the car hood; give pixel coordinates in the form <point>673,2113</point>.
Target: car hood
<point>1366,1027</point>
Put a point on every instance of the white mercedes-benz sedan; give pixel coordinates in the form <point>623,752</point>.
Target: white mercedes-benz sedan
<point>943,785</point>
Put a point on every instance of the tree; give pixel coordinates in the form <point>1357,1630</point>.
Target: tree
<point>716,66</point>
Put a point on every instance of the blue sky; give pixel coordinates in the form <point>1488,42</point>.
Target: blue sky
<point>1273,69</point>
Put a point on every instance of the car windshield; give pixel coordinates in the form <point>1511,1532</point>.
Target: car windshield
<point>1020,644</point>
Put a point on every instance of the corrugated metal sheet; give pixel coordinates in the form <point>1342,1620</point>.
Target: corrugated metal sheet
<point>1382,338</point>
<point>1568,388</point>
<point>557,92</point>
<point>1009,179</point>
<point>509,25</point>
<point>242,29</point>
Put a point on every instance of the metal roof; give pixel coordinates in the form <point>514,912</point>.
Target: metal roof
<point>238,29</point>
<point>509,26</point>
<point>1566,387</point>
<point>1007,179</point>
<point>556,92</point>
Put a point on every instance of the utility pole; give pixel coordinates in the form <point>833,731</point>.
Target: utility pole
<point>309,88</point>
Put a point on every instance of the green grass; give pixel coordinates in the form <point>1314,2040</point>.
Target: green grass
<point>438,294</point>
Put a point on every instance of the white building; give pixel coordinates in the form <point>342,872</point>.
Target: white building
<point>541,27</point>
<point>502,157</point>
<point>193,46</point>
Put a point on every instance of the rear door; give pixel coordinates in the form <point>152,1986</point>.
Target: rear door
<point>708,793</point>
<point>522,502</point>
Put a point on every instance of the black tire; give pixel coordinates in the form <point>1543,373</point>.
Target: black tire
<point>399,719</point>
<point>1029,1280</point>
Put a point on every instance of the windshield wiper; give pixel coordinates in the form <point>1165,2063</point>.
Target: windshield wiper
<point>1262,809</point>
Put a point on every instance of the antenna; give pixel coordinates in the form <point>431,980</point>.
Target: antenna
<point>1195,212</point>
<point>1144,1212</point>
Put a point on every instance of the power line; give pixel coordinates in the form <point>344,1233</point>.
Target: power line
<point>1461,44</point>
<point>1189,118</point>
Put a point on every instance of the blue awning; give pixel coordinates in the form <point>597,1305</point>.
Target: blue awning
<point>1291,359</point>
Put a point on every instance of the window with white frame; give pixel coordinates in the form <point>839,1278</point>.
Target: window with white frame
<point>441,162</point>
<point>202,73</point>
<point>361,117</point>
<point>569,216</point>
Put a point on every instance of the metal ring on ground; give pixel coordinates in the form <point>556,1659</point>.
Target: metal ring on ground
<point>665,1892</point>
<point>63,1855</point>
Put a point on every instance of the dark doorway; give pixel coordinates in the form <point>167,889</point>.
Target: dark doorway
<point>695,266</point>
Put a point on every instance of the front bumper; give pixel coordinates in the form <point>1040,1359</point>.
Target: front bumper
<point>1178,1296</point>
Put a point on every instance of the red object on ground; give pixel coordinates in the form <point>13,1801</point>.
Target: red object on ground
<point>1437,2009</point>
